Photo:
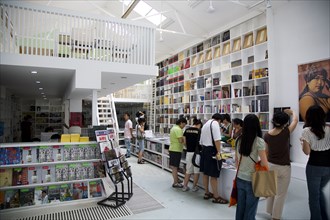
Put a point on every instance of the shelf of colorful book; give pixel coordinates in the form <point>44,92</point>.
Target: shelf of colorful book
<point>47,184</point>
<point>37,144</point>
<point>47,163</point>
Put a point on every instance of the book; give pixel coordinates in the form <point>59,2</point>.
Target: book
<point>2,154</point>
<point>87,170</point>
<point>26,197</point>
<point>6,176</point>
<point>34,175</point>
<point>99,170</point>
<point>29,155</point>
<point>81,152</point>
<point>41,195</point>
<point>58,153</point>
<point>66,192</point>
<point>74,151</point>
<point>20,176</point>
<point>2,200</point>
<point>79,191</point>
<point>45,154</point>
<point>95,188</point>
<point>61,172</point>
<point>54,193</point>
<point>12,198</point>
<point>67,152</point>
<point>13,155</point>
<point>73,171</point>
<point>48,174</point>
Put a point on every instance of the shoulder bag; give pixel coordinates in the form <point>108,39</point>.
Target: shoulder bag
<point>264,181</point>
<point>233,195</point>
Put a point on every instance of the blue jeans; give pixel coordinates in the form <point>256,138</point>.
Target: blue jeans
<point>317,179</point>
<point>247,203</point>
<point>128,146</point>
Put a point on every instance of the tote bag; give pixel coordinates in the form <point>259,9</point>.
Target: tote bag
<point>264,182</point>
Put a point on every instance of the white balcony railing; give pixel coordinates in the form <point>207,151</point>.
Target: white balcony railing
<point>34,30</point>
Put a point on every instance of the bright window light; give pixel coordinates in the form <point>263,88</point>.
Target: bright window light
<point>144,9</point>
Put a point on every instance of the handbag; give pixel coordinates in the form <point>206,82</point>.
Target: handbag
<point>264,181</point>
<point>196,159</point>
<point>234,194</point>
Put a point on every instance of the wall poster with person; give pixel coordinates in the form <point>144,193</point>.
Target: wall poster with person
<point>314,83</point>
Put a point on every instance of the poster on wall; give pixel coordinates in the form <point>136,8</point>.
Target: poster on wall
<point>314,83</point>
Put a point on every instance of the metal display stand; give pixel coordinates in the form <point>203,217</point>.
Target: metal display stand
<point>117,168</point>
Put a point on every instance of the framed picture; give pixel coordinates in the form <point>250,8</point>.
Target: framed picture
<point>248,41</point>
<point>216,52</point>
<point>261,36</point>
<point>237,45</point>
<point>314,84</point>
<point>226,49</point>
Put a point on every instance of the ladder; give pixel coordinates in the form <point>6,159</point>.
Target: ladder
<point>107,115</point>
<point>152,107</point>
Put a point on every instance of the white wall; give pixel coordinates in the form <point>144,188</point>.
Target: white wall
<point>301,34</point>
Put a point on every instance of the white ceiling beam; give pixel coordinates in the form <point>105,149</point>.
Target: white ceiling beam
<point>239,3</point>
<point>101,9</point>
<point>142,17</point>
<point>176,32</point>
<point>130,8</point>
<point>180,22</point>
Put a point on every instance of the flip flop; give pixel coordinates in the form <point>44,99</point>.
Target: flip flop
<point>208,195</point>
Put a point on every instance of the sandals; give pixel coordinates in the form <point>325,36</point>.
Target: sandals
<point>208,195</point>
<point>177,185</point>
<point>220,200</point>
<point>140,162</point>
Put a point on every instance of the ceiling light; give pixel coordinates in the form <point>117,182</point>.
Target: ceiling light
<point>41,88</point>
<point>42,93</point>
<point>211,8</point>
<point>34,72</point>
<point>123,77</point>
<point>38,82</point>
<point>45,98</point>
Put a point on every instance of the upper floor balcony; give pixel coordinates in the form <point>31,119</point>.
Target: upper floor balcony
<point>51,32</point>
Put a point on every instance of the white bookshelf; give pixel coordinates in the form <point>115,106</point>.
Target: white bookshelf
<point>231,80</point>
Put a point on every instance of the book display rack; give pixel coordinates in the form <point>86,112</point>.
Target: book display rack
<point>117,168</point>
<point>227,73</point>
<point>34,174</point>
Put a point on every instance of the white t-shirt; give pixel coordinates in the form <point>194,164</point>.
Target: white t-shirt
<point>206,138</point>
<point>315,143</point>
<point>127,130</point>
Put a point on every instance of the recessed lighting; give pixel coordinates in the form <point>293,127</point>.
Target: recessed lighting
<point>42,93</point>
<point>38,82</point>
<point>34,72</point>
<point>45,98</point>
<point>41,88</point>
<point>123,77</point>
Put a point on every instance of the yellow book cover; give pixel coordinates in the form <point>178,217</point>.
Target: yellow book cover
<point>75,137</point>
<point>6,176</point>
<point>65,138</point>
<point>84,139</point>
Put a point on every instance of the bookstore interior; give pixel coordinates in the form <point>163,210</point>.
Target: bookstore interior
<point>67,146</point>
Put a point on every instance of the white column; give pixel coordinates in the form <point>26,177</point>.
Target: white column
<point>94,108</point>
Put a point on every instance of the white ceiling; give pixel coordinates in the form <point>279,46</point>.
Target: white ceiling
<point>189,19</point>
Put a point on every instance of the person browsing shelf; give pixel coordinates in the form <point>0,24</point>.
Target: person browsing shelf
<point>140,138</point>
<point>191,139</point>
<point>316,143</point>
<point>250,146</point>
<point>128,133</point>
<point>226,127</point>
<point>176,148</point>
<point>278,148</point>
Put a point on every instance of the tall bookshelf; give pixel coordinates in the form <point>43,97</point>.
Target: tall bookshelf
<point>227,73</point>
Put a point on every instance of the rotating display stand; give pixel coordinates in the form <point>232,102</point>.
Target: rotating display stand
<point>117,167</point>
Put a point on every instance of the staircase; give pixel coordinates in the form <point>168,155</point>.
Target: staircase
<point>107,115</point>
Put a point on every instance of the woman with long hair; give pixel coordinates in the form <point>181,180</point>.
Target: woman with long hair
<point>316,143</point>
<point>250,146</point>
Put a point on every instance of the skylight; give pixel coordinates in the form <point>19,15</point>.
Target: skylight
<point>144,9</point>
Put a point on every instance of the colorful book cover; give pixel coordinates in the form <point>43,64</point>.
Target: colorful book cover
<point>2,200</point>
<point>29,155</point>
<point>48,174</point>
<point>2,156</point>
<point>41,195</point>
<point>110,154</point>
<point>45,154</point>
<point>95,188</point>
<point>73,171</point>
<point>67,152</point>
<point>6,176</point>
<point>61,172</point>
<point>12,198</point>
<point>34,175</point>
<point>81,150</point>
<point>58,153</point>
<point>54,193</point>
<point>20,176</point>
<point>80,191</point>
<point>66,192</point>
<point>26,196</point>
<point>74,152</point>
<point>13,155</point>
<point>85,169</point>
<point>99,171</point>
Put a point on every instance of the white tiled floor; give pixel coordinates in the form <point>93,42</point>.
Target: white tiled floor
<point>191,205</point>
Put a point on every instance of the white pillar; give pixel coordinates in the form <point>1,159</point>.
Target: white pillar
<point>94,108</point>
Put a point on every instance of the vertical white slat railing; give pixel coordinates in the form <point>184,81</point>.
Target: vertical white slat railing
<point>41,31</point>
